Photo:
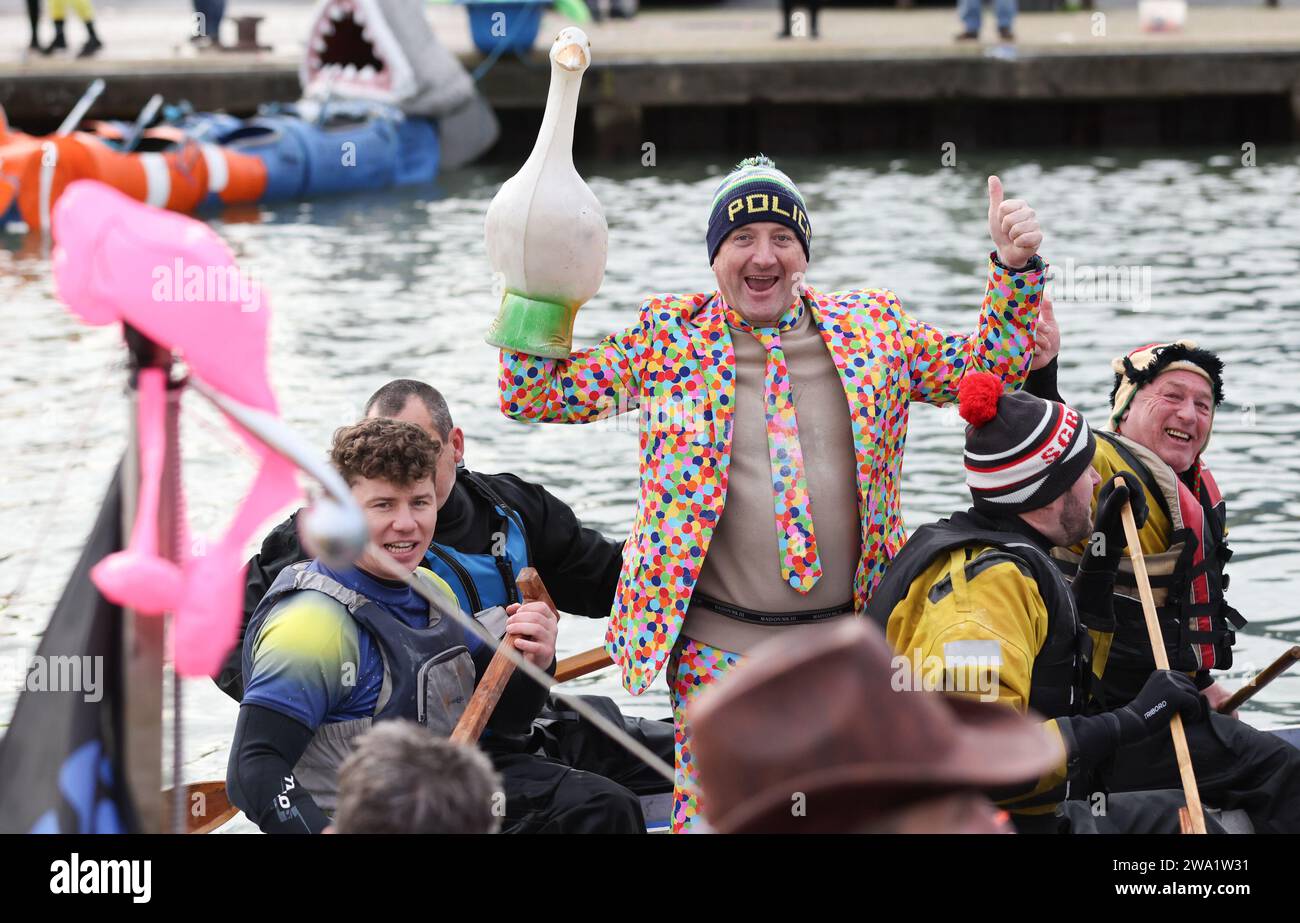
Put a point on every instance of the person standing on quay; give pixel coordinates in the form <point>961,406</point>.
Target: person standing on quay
<point>208,16</point>
<point>719,377</point>
<point>34,18</point>
<point>58,11</point>
<point>971,14</point>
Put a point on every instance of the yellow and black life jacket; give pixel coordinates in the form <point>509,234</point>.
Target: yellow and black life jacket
<point>1059,685</point>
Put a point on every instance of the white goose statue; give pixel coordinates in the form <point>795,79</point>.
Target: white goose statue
<point>545,230</point>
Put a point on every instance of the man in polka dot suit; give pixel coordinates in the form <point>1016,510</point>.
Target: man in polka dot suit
<point>773,417</point>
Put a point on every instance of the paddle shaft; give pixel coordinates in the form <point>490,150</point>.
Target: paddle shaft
<point>1176,731</point>
<point>489,689</point>
<point>132,137</point>
<point>79,110</point>
<point>582,664</point>
<point>1260,680</point>
<point>530,585</point>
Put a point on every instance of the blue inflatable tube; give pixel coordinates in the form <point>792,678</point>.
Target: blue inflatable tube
<point>279,148</point>
<point>352,146</point>
<point>304,159</point>
<point>418,152</point>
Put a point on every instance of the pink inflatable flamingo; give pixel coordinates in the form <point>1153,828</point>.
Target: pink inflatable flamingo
<point>175,281</point>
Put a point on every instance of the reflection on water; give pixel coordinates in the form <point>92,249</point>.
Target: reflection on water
<point>397,284</point>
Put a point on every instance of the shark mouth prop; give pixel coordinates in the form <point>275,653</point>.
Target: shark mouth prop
<point>381,51</point>
<point>350,53</point>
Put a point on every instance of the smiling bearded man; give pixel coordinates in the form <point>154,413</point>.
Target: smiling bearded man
<point>784,404</point>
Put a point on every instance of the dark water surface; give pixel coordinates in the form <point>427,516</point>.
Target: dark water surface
<point>369,288</point>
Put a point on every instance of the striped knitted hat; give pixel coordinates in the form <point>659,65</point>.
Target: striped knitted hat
<point>1022,452</point>
<point>757,191</point>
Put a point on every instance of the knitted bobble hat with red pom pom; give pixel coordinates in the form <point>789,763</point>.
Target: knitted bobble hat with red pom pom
<point>1022,452</point>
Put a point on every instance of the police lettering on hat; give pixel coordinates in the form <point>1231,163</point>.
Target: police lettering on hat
<point>757,191</point>
<point>768,205</point>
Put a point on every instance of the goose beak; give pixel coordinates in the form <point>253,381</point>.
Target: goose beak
<point>572,57</point>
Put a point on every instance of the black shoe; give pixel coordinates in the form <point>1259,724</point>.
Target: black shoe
<point>59,43</point>
<point>1006,35</point>
<point>967,37</point>
<point>92,45</point>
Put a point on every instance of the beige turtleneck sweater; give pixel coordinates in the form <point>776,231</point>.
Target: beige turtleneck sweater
<point>743,565</point>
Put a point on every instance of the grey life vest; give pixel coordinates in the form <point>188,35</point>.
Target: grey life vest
<point>428,674</point>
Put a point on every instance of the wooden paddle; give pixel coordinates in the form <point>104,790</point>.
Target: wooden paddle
<point>488,691</point>
<point>206,805</point>
<point>531,586</point>
<point>1260,680</point>
<point>582,664</point>
<point>1193,795</point>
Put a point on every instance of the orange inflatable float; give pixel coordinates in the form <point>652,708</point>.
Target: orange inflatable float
<point>169,170</point>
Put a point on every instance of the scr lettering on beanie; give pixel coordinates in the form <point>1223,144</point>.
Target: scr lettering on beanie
<point>1064,436</point>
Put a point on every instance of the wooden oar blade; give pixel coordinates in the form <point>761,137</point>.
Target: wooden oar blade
<point>1261,679</point>
<point>207,806</point>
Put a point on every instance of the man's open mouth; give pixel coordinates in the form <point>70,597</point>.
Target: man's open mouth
<point>399,548</point>
<point>761,284</point>
<point>343,49</point>
<point>1178,434</point>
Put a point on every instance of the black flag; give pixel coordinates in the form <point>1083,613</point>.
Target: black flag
<point>62,759</point>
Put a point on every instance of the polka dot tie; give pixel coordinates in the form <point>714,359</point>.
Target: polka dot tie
<point>801,566</point>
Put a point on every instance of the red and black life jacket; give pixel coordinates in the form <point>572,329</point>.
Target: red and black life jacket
<point>1187,579</point>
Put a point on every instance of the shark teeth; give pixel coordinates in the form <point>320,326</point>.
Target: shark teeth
<point>336,12</point>
<point>346,72</point>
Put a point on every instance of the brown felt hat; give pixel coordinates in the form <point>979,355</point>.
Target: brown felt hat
<point>816,737</point>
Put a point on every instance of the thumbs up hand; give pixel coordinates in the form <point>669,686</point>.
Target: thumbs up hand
<point>1013,226</point>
